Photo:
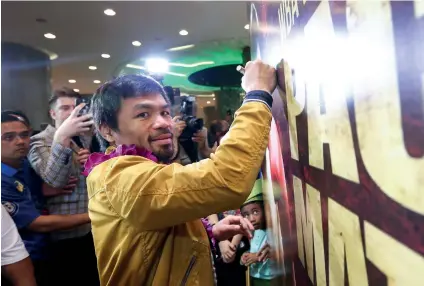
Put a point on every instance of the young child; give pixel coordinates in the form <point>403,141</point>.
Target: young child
<point>253,210</point>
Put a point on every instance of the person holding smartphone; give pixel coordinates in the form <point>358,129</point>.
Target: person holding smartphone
<point>57,154</point>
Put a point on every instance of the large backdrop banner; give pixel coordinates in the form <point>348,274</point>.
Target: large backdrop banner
<point>345,167</point>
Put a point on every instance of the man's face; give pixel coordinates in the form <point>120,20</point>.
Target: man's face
<point>62,109</point>
<point>15,137</point>
<point>146,122</point>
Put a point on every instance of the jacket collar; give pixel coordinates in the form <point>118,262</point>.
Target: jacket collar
<point>111,152</point>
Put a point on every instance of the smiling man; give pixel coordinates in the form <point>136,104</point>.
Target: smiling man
<point>146,212</point>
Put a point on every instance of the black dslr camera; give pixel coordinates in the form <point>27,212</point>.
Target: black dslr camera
<point>188,112</point>
<point>193,125</point>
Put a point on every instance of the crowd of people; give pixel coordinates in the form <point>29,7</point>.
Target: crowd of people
<point>132,208</point>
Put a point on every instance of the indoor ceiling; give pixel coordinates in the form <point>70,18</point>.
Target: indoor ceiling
<point>186,62</point>
<point>83,33</point>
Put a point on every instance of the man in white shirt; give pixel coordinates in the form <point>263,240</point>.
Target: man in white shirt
<point>16,265</point>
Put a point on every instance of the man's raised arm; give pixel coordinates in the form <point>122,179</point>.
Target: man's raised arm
<point>173,194</point>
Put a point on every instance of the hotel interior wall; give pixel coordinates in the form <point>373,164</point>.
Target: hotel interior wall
<point>26,84</point>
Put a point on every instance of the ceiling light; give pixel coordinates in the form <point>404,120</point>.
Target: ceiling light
<point>180,48</point>
<point>176,74</point>
<point>105,56</point>
<point>136,43</point>
<point>183,33</point>
<point>214,99</point>
<point>191,65</point>
<point>72,81</point>
<point>135,67</point>
<point>93,68</point>
<point>247,26</point>
<point>50,36</point>
<point>53,56</point>
<point>157,65</point>
<point>109,12</point>
<point>76,89</point>
<point>96,81</point>
<point>208,102</point>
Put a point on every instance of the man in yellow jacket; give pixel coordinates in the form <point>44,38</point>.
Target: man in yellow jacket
<point>145,212</point>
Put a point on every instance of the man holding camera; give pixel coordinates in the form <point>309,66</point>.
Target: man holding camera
<point>146,212</point>
<point>58,155</point>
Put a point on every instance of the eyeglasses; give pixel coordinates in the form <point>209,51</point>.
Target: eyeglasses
<point>11,136</point>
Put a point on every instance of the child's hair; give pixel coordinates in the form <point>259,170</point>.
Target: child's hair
<point>261,203</point>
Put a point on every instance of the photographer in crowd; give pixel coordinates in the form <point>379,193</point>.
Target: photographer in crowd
<point>58,154</point>
<point>145,212</point>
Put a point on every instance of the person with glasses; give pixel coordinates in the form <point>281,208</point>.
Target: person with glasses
<point>21,195</point>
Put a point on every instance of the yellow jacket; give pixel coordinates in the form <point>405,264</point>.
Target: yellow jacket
<point>146,216</point>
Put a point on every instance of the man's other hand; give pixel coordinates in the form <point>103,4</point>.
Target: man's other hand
<point>231,226</point>
<point>259,76</point>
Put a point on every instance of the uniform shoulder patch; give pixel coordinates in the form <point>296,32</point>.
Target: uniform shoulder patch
<point>11,207</point>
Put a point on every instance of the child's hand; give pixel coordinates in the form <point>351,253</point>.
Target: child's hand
<point>244,258</point>
<point>251,258</point>
<point>263,254</point>
<point>228,251</point>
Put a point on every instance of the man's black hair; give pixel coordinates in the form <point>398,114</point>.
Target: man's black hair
<point>14,115</point>
<point>106,102</point>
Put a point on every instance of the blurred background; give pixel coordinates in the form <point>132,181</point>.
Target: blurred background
<point>194,46</point>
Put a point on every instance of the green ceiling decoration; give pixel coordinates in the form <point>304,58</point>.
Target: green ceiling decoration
<point>185,62</point>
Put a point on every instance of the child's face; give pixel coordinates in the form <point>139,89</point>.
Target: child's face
<point>255,214</point>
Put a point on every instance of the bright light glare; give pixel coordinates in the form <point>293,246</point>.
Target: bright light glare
<point>247,26</point>
<point>155,65</point>
<point>180,48</point>
<point>76,89</point>
<point>110,12</point>
<point>208,102</point>
<point>136,43</point>
<point>72,81</point>
<point>50,36</point>
<point>93,68</point>
<point>105,56</point>
<point>96,81</point>
<point>53,56</point>
<point>183,33</point>
<point>191,65</point>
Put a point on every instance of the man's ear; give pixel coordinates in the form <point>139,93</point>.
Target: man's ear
<point>52,114</point>
<point>106,133</point>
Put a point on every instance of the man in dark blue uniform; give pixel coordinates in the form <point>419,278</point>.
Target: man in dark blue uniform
<point>21,195</point>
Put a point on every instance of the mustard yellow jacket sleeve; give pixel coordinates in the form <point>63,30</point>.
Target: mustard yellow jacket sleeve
<point>152,196</point>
